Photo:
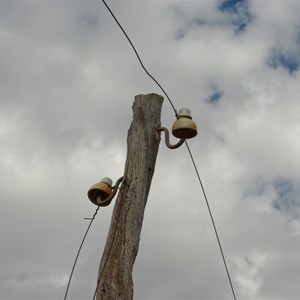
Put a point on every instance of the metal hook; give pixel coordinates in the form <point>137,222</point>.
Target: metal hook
<point>167,139</point>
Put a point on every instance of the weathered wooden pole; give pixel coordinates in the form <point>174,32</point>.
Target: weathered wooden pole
<point>115,271</point>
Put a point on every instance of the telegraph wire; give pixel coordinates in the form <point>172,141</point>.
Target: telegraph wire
<point>188,148</point>
<point>92,219</point>
<point>138,57</point>
<point>212,219</point>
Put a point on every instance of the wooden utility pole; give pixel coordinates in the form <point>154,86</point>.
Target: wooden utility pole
<point>115,271</point>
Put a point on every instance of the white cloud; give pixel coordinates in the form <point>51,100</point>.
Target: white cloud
<point>67,81</point>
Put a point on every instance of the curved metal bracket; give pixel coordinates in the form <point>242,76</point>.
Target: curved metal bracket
<point>112,195</point>
<point>167,139</point>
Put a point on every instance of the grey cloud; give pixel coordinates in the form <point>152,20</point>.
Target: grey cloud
<point>67,82</point>
<point>90,20</point>
<point>286,270</point>
<point>285,194</point>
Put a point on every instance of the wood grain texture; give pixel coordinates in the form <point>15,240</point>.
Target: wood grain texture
<point>115,271</point>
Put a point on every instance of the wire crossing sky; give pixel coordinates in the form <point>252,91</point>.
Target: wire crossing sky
<point>188,148</point>
<point>65,108</point>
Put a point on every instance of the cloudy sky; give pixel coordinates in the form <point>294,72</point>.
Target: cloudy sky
<point>68,78</point>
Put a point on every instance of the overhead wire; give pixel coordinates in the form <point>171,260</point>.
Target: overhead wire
<point>188,148</point>
<point>212,219</point>
<point>73,268</point>
<point>138,57</point>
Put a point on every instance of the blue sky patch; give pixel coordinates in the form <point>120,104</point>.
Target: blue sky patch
<point>287,197</point>
<point>230,4</point>
<point>241,22</point>
<point>286,61</point>
<point>239,11</point>
<point>215,97</point>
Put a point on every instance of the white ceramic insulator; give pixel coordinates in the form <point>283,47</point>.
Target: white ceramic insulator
<point>184,112</point>
<point>107,180</point>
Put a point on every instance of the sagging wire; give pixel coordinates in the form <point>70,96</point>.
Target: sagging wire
<point>139,58</point>
<point>212,219</point>
<point>189,151</point>
<point>88,228</point>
